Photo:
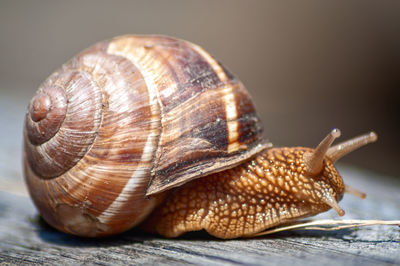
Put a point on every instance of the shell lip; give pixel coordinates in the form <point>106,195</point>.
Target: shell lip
<point>220,164</point>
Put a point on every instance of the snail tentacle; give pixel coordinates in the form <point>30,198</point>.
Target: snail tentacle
<point>338,151</point>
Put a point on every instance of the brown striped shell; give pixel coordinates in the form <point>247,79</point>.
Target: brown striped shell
<point>130,117</point>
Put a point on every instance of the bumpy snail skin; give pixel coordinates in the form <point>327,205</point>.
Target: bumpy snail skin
<point>278,185</point>
<point>271,189</point>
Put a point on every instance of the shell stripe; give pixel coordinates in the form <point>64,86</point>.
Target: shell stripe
<point>141,173</point>
<point>229,100</point>
<point>214,64</point>
<point>232,123</point>
<point>136,180</point>
<point>191,109</point>
<point>185,73</point>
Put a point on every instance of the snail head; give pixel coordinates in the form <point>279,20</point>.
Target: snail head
<point>318,164</point>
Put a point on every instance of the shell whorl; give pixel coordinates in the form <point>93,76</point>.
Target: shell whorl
<point>62,122</point>
<point>110,129</point>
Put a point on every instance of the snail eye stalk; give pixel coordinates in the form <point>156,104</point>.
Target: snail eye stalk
<point>338,151</point>
<point>314,161</point>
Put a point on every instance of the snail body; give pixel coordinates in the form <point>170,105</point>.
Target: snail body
<point>139,123</point>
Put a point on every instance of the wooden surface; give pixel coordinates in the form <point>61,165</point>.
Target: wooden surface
<point>26,239</point>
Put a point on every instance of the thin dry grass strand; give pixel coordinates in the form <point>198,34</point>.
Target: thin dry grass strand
<point>327,225</point>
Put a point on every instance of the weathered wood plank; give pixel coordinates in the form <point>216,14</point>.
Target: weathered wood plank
<point>24,238</point>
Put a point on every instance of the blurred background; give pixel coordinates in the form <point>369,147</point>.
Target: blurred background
<point>309,65</point>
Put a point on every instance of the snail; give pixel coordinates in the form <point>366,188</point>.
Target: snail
<point>153,130</point>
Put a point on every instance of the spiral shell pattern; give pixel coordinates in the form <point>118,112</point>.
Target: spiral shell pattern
<point>126,111</point>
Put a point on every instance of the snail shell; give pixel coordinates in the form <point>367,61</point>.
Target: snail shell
<point>130,117</point>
